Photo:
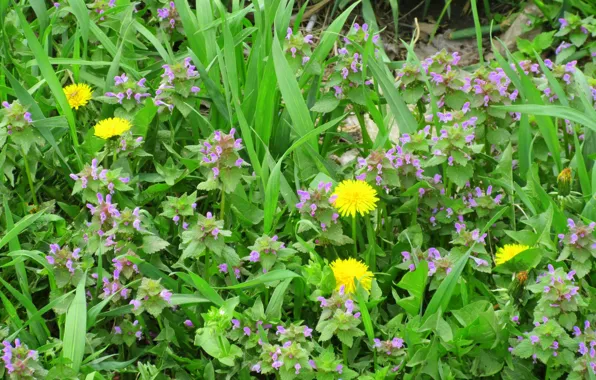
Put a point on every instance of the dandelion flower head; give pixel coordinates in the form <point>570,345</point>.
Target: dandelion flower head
<point>352,196</point>
<point>345,271</point>
<point>78,95</point>
<point>509,251</point>
<point>111,127</point>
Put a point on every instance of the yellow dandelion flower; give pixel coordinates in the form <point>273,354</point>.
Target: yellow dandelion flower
<point>509,251</point>
<point>345,271</point>
<point>78,95</point>
<point>111,127</point>
<point>353,197</point>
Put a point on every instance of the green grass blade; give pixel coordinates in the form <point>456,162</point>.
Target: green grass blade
<point>41,11</point>
<point>20,226</point>
<point>582,171</point>
<point>328,39</point>
<point>36,316</point>
<point>154,41</point>
<point>274,275</point>
<point>273,311</point>
<point>11,311</point>
<point>291,94</point>
<point>39,327</point>
<point>75,330</point>
<point>478,29</point>
<point>79,9</point>
<point>273,182</point>
<point>39,258</point>
<point>202,286</point>
<point>560,112</point>
<point>405,121</point>
<point>50,76</point>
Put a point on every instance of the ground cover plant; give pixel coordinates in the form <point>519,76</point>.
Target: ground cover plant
<point>204,190</point>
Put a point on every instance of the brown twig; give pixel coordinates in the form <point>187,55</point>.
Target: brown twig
<point>313,9</point>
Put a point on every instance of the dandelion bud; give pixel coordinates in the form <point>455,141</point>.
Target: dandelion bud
<point>564,182</point>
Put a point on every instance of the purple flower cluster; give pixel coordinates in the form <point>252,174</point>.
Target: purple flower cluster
<point>339,300</point>
<point>223,268</point>
<point>573,25</point>
<point>360,34</point>
<point>437,264</point>
<point>168,16</point>
<point>348,67</point>
<point>128,143</point>
<point>318,205</point>
<point>559,295</point>
<point>389,169</point>
<point>64,258</point>
<point>470,237</point>
<point>114,288</point>
<point>492,87</point>
<point>124,266</point>
<point>136,330</point>
<point>298,46</point>
<point>210,227</point>
<point>289,354</point>
<point>97,179</point>
<point>441,69</point>
<point>107,220</point>
<point>15,117</point>
<point>246,330</point>
<point>18,360</point>
<point>479,198</point>
<point>179,79</point>
<point>101,6</point>
<point>128,92</point>
<point>105,212</point>
<point>220,154</point>
<point>389,347</point>
<point>580,236</point>
<point>586,345</point>
<point>265,250</point>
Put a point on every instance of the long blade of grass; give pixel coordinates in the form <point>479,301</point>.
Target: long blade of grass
<point>582,171</point>
<point>273,311</point>
<point>273,182</point>
<point>14,230</point>
<point>478,30</point>
<point>39,327</point>
<point>154,41</point>
<point>328,39</point>
<point>202,286</point>
<point>73,347</point>
<point>36,316</point>
<point>291,94</point>
<point>39,258</point>
<point>79,9</point>
<point>50,76</point>
<point>274,275</point>
<point>405,121</point>
<point>561,112</point>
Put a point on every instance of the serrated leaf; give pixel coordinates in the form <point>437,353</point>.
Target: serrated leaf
<point>152,244</point>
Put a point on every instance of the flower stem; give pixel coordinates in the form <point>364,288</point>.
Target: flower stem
<point>115,154</point>
<point>207,264</point>
<point>344,349</point>
<point>222,205</point>
<point>354,235</point>
<point>29,178</point>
